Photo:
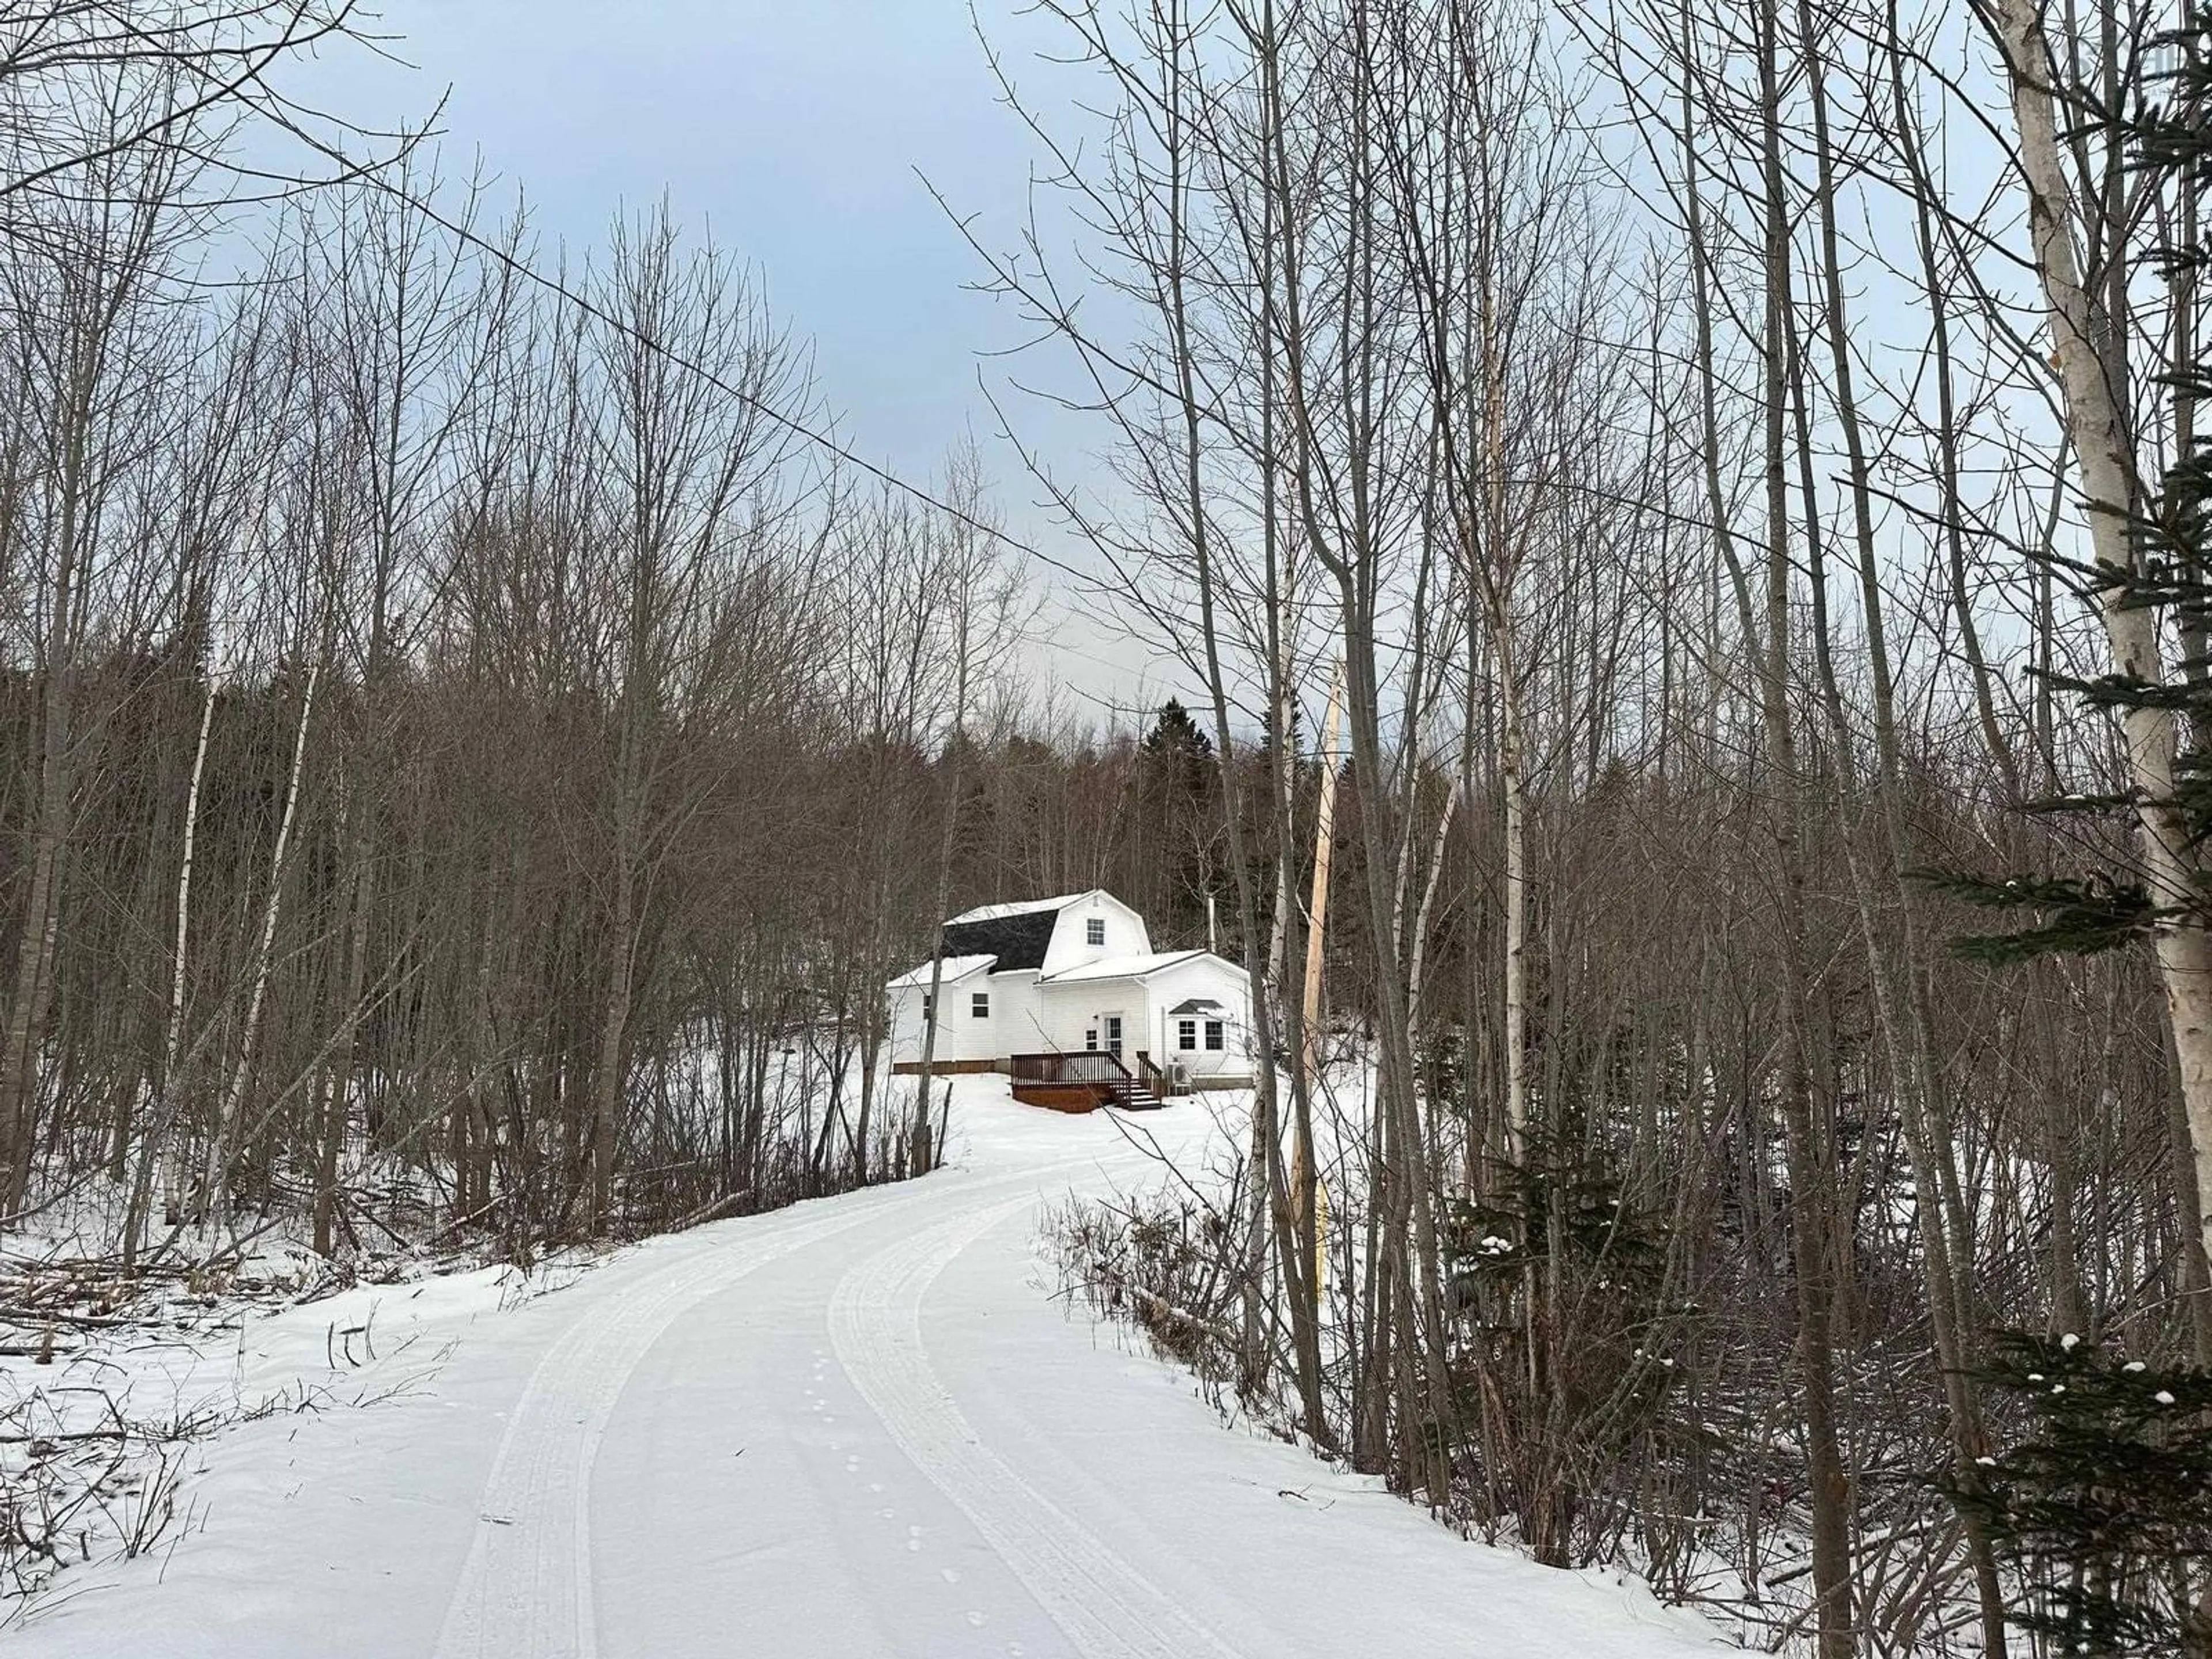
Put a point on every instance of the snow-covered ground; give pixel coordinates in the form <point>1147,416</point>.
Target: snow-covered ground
<point>856,1427</point>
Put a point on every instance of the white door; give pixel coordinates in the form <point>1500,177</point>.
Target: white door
<point>1111,1025</point>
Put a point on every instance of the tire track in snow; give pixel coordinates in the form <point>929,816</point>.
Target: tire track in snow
<point>1105,1606</point>
<point>525,1588</point>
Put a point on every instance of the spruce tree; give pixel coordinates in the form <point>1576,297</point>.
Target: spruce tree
<point>1176,737</point>
<point>2169,135</point>
<point>2102,1503</point>
<point>1178,767</point>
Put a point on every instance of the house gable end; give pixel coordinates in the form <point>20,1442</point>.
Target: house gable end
<point>1121,932</point>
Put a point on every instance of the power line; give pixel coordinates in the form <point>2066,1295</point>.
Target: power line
<point>791,423</point>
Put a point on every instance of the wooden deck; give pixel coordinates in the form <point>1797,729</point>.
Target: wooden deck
<point>1086,1081</point>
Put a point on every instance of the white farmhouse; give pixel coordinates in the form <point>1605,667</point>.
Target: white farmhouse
<point>1068,996</point>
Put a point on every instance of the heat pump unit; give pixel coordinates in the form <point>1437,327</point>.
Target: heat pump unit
<point>1178,1076</point>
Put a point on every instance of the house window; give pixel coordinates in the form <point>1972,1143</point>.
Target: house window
<point>925,1008</point>
<point>980,1004</point>
<point>1186,1034</point>
<point>1094,931</point>
<point>1214,1037</point>
<point>1090,1039</point>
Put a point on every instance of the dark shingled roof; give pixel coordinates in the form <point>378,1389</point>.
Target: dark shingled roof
<point>1018,941</point>
<point>1196,1006</point>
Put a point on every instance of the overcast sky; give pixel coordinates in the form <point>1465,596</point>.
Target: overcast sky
<point>795,130</point>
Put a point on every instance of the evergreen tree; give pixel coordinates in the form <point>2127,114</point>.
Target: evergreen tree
<point>1176,737</point>
<point>2103,1508</point>
<point>1177,761</point>
<point>1557,1278</point>
<point>2171,138</point>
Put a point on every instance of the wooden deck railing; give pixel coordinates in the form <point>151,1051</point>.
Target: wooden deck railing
<point>1086,1066</point>
<point>1095,1068</point>
<point>1153,1078</point>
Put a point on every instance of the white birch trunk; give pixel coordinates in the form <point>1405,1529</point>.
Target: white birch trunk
<point>1512,781</point>
<point>1316,932</point>
<point>2098,427</point>
<point>171,1143</point>
<point>218,1169</point>
<point>1416,970</point>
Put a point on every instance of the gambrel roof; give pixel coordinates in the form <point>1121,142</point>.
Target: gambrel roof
<point>1019,908</point>
<point>1018,935</point>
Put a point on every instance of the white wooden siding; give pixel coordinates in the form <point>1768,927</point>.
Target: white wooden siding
<point>1205,977</point>
<point>1070,946</point>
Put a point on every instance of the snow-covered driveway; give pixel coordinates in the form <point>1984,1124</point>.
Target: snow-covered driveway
<point>853,1428</point>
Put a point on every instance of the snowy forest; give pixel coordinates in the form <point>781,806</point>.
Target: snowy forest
<point>1685,533</point>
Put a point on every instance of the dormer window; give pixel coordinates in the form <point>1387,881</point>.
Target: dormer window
<point>1094,931</point>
